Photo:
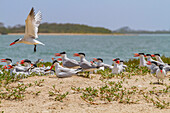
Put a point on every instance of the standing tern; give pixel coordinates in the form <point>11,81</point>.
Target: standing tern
<point>101,64</point>
<point>142,59</point>
<point>8,61</point>
<point>161,70</point>
<point>158,58</point>
<point>84,64</point>
<point>116,68</point>
<point>122,65</point>
<point>69,63</point>
<point>62,71</point>
<point>151,66</point>
<point>18,72</point>
<point>31,29</point>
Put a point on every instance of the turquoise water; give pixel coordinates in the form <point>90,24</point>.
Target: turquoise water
<point>106,47</point>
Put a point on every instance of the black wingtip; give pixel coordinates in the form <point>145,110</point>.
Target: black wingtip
<point>32,11</point>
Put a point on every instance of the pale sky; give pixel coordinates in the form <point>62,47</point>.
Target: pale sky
<point>111,14</point>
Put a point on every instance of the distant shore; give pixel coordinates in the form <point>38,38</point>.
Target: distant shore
<point>93,34</point>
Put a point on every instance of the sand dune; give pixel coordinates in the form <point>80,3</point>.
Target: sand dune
<point>43,103</point>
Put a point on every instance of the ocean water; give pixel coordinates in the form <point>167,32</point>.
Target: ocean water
<point>106,47</point>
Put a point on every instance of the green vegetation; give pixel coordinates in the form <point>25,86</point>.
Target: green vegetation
<point>57,94</point>
<point>114,88</point>
<point>76,28</point>
<point>56,28</point>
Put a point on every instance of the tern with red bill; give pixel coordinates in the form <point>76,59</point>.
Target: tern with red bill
<point>122,65</point>
<point>13,68</point>
<point>149,57</point>
<point>158,58</point>
<point>161,70</point>
<point>152,66</point>
<point>31,29</point>
<point>67,62</point>
<point>18,71</point>
<point>33,67</point>
<point>63,72</point>
<point>116,68</point>
<point>142,59</point>
<point>101,64</point>
<point>84,64</point>
<point>8,61</point>
<point>161,73</point>
<point>9,66</point>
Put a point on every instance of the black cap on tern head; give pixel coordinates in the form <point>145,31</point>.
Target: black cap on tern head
<point>117,58</point>
<point>100,59</point>
<point>154,63</point>
<point>82,54</point>
<point>8,59</point>
<point>141,53</point>
<point>63,52</point>
<point>161,67</point>
<point>148,54</point>
<point>121,61</point>
<point>54,62</point>
<point>13,64</point>
<point>28,61</point>
<point>157,54</point>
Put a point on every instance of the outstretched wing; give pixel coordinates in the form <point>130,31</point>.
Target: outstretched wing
<point>31,24</point>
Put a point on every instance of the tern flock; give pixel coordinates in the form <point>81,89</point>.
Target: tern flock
<point>69,66</point>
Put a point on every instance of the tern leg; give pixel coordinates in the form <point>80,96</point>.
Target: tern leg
<point>35,48</point>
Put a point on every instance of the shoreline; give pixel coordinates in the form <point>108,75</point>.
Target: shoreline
<point>91,34</point>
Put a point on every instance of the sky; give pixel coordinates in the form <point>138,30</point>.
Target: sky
<point>111,14</point>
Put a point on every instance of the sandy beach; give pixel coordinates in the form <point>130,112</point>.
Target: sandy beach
<point>41,102</point>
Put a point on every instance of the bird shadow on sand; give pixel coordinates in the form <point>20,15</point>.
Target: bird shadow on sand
<point>59,77</point>
<point>157,83</point>
<point>53,77</point>
<point>84,76</point>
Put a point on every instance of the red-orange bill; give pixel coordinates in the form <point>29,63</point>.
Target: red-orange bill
<point>149,63</point>
<point>51,67</point>
<point>136,55</point>
<point>12,43</point>
<point>118,62</point>
<point>76,54</point>
<point>59,59</point>
<point>3,60</point>
<point>95,59</point>
<point>57,54</point>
